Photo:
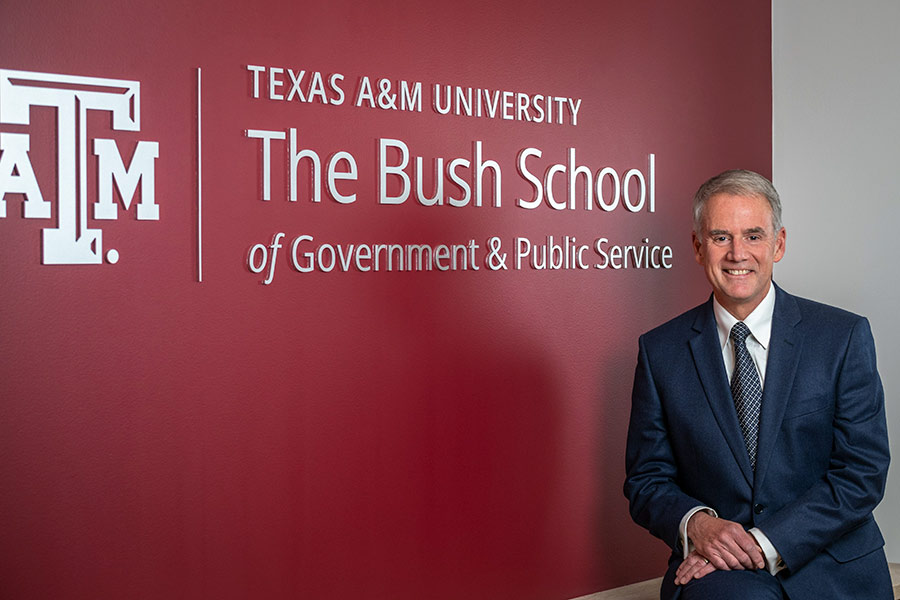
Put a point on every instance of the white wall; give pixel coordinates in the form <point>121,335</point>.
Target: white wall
<point>836,84</point>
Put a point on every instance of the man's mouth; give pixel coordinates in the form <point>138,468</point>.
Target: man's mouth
<point>737,271</point>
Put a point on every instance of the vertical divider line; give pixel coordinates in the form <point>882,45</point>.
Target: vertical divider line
<point>199,182</point>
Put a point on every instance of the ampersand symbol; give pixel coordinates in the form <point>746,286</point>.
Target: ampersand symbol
<point>385,98</point>
<point>495,261</point>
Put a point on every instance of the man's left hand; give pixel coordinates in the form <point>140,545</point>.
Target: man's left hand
<point>694,566</point>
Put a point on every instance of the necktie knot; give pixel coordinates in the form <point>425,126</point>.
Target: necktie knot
<point>739,332</point>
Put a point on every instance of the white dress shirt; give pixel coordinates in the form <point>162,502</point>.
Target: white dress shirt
<point>759,322</point>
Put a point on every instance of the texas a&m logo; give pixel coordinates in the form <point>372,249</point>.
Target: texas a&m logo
<point>72,241</point>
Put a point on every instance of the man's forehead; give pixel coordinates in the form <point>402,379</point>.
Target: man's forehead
<point>727,205</point>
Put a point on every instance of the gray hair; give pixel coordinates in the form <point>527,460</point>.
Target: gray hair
<point>737,182</point>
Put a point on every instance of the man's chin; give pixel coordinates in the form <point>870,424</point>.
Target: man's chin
<point>737,301</point>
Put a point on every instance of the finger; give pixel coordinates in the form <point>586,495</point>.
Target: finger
<point>689,568</point>
<point>754,553</point>
<point>686,575</point>
<point>686,569</point>
<point>749,555</point>
<point>740,544</point>
<point>704,571</point>
<point>756,556</point>
<point>701,563</point>
<point>701,570</point>
<point>732,546</point>
<point>727,555</point>
<point>737,558</point>
<point>760,558</point>
<point>718,562</point>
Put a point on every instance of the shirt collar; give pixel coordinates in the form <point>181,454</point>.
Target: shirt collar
<point>759,322</point>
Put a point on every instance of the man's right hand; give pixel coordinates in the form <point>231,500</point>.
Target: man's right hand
<point>725,543</point>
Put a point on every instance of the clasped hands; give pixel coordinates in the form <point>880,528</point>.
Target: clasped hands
<point>718,545</point>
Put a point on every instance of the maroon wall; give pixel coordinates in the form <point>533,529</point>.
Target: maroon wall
<point>392,434</point>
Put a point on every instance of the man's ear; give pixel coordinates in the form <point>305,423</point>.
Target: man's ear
<point>698,248</point>
<point>780,241</point>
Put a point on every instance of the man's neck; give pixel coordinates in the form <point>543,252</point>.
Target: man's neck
<point>743,310</point>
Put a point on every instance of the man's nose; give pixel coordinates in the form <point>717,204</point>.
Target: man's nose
<point>738,251</point>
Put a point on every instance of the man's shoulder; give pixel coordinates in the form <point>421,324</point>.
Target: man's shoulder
<point>678,328</point>
<point>816,314</point>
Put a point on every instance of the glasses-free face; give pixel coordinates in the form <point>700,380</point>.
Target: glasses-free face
<point>738,247</point>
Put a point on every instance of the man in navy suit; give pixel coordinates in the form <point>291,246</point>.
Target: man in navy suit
<point>757,447</point>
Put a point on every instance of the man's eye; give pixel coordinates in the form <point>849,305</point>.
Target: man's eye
<point>754,238</point>
<point>720,239</point>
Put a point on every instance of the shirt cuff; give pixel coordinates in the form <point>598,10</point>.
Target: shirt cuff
<point>774,564</point>
<point>686,544</point>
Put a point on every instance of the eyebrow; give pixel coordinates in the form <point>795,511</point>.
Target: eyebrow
<point>758,230</point>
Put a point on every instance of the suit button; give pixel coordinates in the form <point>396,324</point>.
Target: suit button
<point>758,508</point>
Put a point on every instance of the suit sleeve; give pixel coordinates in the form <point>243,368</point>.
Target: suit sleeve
<point>656,501</point>
<point>853,484</point>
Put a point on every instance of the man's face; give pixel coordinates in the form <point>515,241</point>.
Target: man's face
<point>737,247</point>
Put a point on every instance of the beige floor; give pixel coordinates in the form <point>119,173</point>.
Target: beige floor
<point>649,590</point>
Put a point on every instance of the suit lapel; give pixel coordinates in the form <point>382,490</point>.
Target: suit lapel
<point>707,354</point>
<point>781,366</point>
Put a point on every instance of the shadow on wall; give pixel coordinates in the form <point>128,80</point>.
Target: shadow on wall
<point>627,553</point>
<point>430,441</point>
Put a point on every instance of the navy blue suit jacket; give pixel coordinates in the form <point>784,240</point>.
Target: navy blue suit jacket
<point>823,446</point>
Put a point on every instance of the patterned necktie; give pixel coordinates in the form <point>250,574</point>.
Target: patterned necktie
<point>746,390</point>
